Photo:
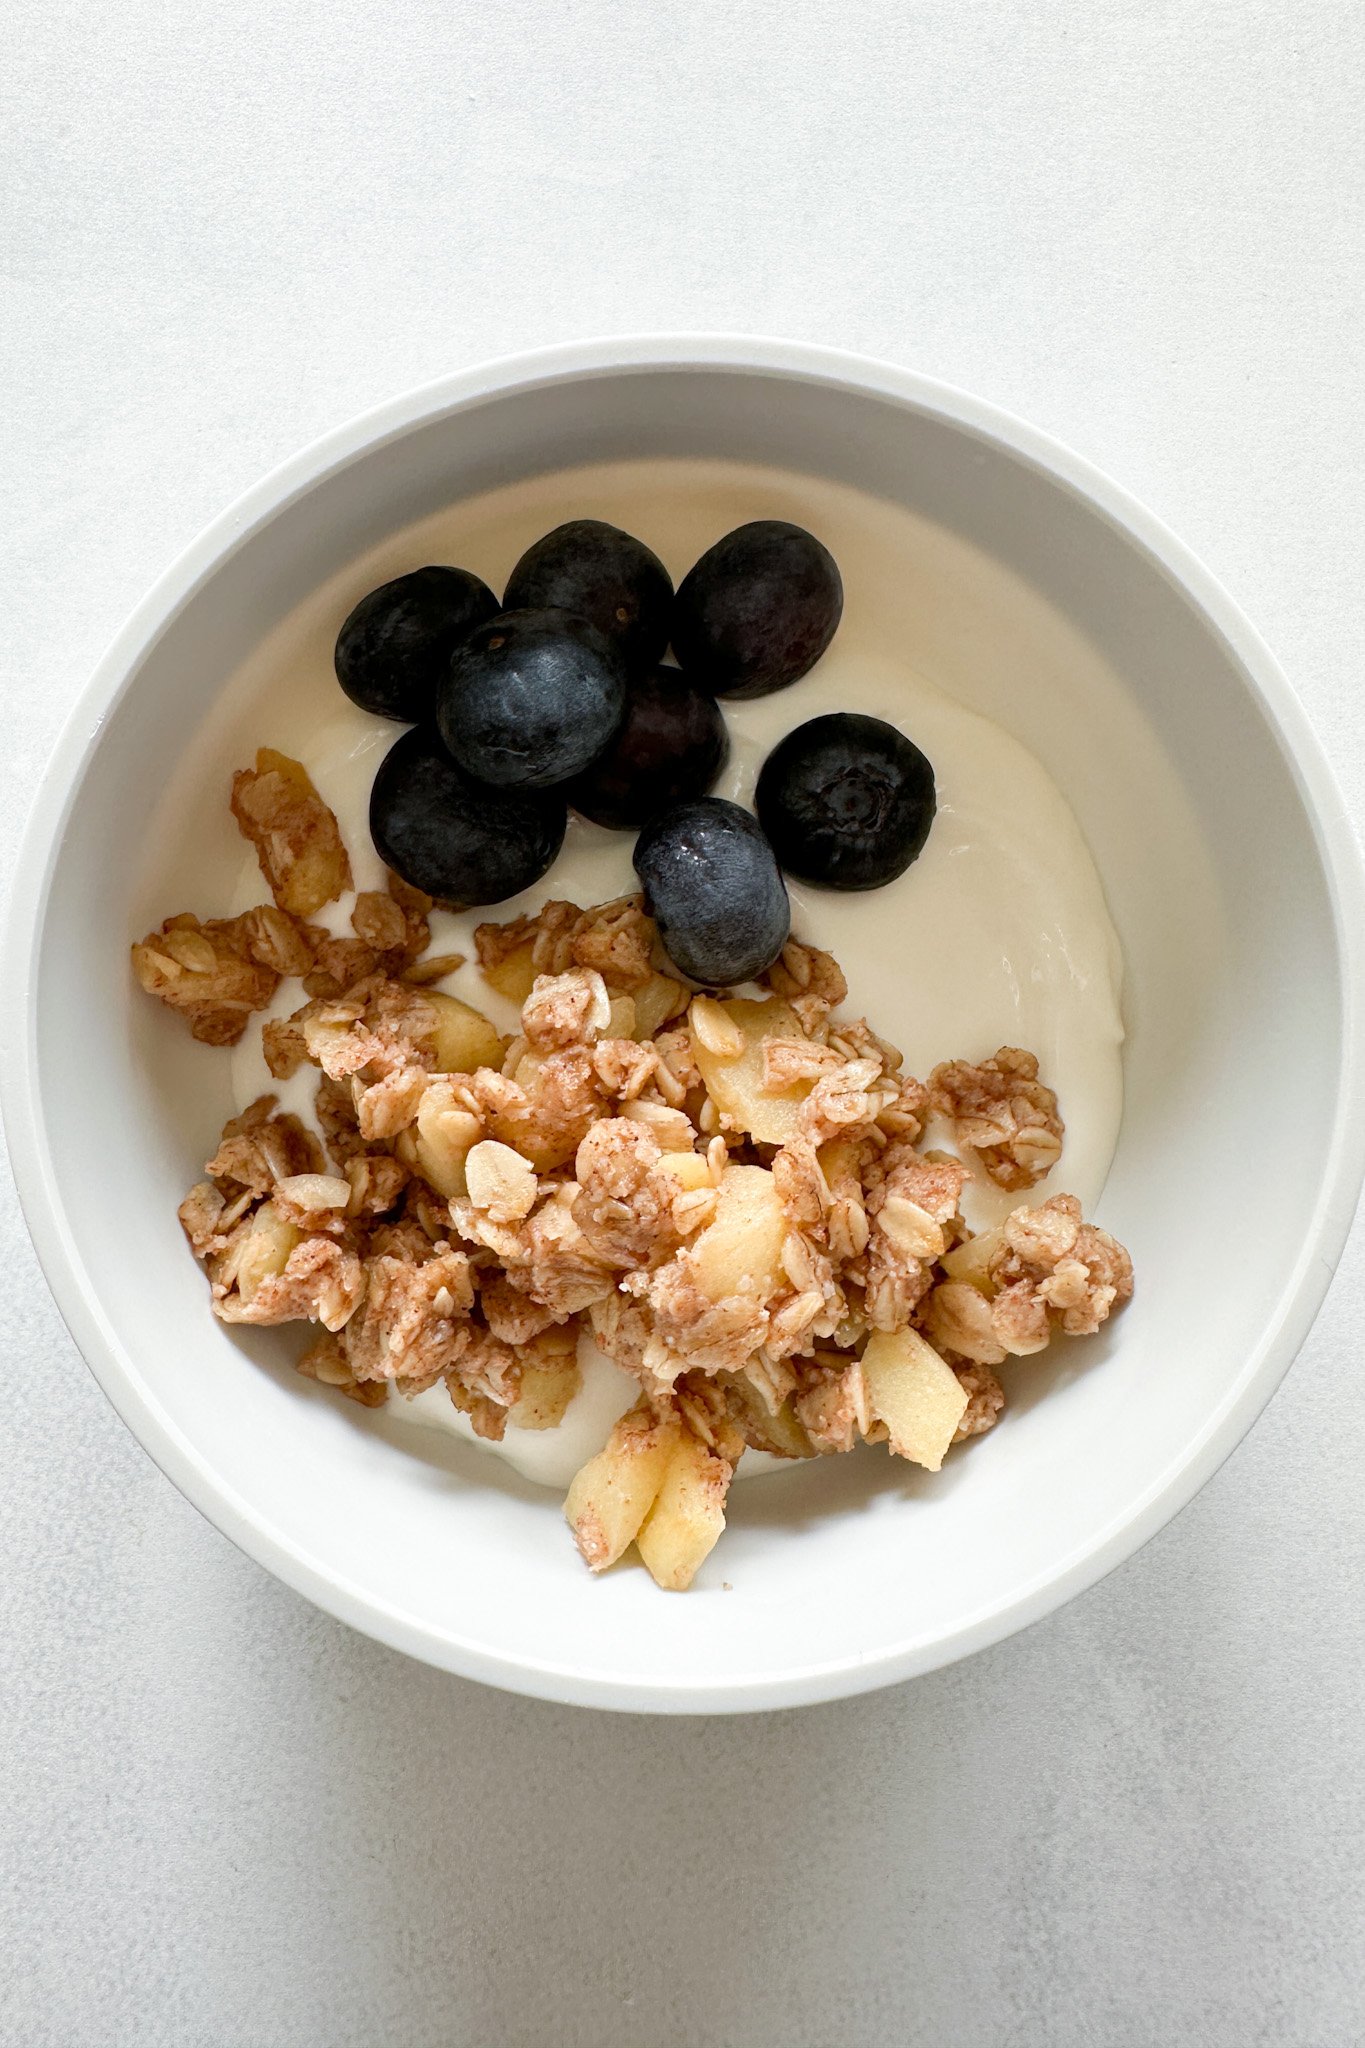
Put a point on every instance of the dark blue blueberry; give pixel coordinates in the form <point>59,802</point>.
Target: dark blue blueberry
<point>394,648</point>
<point>671,746</point>
<point>758,610</point>
<point>846,801</point>
<point>459,840</point>
<point>531,698</point>
<point>605,576</point>
<point>715,891</point>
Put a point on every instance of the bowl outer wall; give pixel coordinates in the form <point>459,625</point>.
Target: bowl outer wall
<point>1321,1240</point>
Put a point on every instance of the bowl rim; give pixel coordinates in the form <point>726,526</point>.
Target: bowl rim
<point>44,1212</point>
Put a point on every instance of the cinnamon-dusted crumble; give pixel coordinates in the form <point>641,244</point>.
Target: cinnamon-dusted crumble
<point>732,1194</point>
<point>1002,1113</point>
<point>293,831</point>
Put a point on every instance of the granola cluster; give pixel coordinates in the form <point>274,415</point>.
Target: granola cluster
<point>730,1193</point>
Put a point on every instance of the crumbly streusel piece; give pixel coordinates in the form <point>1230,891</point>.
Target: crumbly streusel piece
<point>806,971</point>
<point>618,940</point>
<point>377,1183</point>
<point>326,1362</point>
<point>269,1225</point>
<point>319,1280</point>
<point>833,1406</point>
<point>704,1408</point>
<point>910,1209</point>
<point>380,1039</point>
<point>1051,1256</point>
<point>615,939</point>
<point>846,1102</point>
<point>1003,1113</point>
<point>409,1323</point>
<point>566,1009</point>
<point>546,1110</point>
<point>1048,1272</point>
<point>295,834</point>
<point>484,1382</point>
<point>261,1147</point>
<point>625,1203</point>
<point>691,1329</point>
<point>985,1399</point>
<point>391,931</point>
<point>546,1256</point>
<point>216,973</point>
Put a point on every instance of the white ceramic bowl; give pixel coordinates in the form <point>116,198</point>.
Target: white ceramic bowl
<point>1233,882</point>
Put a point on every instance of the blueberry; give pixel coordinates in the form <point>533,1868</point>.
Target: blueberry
<point>847,801</point>
<point>605,576</point>
<point>459,840</point>
<point>672,745</point>
<point>393,649</point>
<point>531,698</point>
<point>715,891</point>
<point>758,610</point>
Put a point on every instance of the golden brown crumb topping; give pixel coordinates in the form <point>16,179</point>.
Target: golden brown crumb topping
<point>1003,1113</point>
<point>295,834</point>
<point>729,1195</point>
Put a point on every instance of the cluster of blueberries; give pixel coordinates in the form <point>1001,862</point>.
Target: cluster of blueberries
<point>559,696</point>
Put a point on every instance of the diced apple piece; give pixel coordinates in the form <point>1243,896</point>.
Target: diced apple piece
<point>437,1145</point>
<point>970,1261</point>
<point>546,1391</point>
<point>269,761</point>
<point>915,1394</point>
<point>681,1528</point>
<point>740,1250</point>
<point>464,1037</point>
<point>659,999</point>
<point>781,1435</point>
<point>688,1167</point>
<point>735,1080</point>
<point>786,1437</point>
<point>514,977</point>
<point>838,1158</point>
<point>612,1494</point>
<point>265,1251</point>
<point>621,1022</point>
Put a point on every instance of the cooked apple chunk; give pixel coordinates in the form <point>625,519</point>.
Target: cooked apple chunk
<point>513,976</point>
<point>970,1261</point>
<point>915,1394</point>
<point>548,1384</point>
<point>440,1141</point>
<point>465,1040</point>
<point>740,1251</point>
<point>689,1169</point>
<point>659,999</point>
<point>684,1524</point>
<point>727,1045</point>
<point>614,1491</point>
<point>262,1252</point>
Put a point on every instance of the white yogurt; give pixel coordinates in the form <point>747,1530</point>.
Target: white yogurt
<point>998,935</point>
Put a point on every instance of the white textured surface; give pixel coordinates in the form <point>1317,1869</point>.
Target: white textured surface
<point>226,1820</point>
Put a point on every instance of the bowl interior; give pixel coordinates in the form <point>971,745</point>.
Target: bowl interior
<point>1034,607</point>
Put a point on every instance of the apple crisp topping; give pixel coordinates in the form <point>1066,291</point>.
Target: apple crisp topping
<point>295,834</point>
<point>726,1191</point>
<point>1002,1113</point>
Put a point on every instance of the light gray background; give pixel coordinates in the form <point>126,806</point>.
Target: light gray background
<point>229,1821</point>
